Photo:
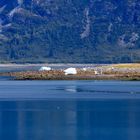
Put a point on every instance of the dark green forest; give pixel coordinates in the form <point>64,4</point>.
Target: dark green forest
<point>70,31</point>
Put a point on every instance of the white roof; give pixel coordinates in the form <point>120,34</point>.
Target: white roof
<point>45,69</point>
<point>70,71</point>
<point>84,69</point>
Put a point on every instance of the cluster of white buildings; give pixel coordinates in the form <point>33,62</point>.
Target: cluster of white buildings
<point>68,71</point>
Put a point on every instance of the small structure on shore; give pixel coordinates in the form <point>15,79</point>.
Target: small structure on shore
<point>96,72</point>
<point>84,69</point>
<point>45,69</point>
<point>110,69</point>
<point>70,71</point>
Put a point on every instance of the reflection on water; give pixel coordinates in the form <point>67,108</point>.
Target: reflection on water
<point>69,110</point>
<point>45,90</point>
<point>70,120</point>
<point>72,89</point>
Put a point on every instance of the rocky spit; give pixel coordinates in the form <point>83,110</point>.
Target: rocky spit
<point>96,72</point>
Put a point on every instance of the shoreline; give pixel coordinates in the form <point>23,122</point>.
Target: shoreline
<point>62,64</point>
<point>129,72</point>
<point>45,76</point>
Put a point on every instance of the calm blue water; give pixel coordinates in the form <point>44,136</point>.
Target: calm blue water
<point>69,110</point>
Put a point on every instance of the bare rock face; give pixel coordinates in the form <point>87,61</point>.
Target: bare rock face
<point>53,30</point>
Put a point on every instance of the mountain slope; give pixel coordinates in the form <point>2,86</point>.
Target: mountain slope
<point>93,31</point>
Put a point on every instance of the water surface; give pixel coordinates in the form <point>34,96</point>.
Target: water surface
<point>69,110</point>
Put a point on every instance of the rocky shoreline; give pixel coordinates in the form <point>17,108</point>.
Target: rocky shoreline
<point>108,72</point>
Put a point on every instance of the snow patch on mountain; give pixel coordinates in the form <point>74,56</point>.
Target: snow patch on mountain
<point>86,31</point>
<point>134,37</point>
<point>15,10</point>
<point>110,27</point>
<point>2,8</point>
<point>128,41</point>
<point>20,2</point>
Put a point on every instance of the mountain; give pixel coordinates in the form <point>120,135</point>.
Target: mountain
<point>76,31</point>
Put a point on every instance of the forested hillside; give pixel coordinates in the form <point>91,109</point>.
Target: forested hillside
<point>75,31</point>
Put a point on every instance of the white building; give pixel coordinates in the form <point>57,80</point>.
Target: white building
<point>96,72</point>
<point>84,69</point>
<point>45,69</point>
<point>70,71</point>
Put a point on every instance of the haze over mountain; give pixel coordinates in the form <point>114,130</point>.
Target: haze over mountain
<point>84,31</point>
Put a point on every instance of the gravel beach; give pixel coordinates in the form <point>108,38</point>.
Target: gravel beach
<point>84,72</point>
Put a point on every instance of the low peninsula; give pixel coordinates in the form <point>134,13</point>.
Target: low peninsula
<point>105,72</point>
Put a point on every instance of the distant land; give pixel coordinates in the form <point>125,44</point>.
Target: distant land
<point>130,72</point>
<point>69,31</point>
